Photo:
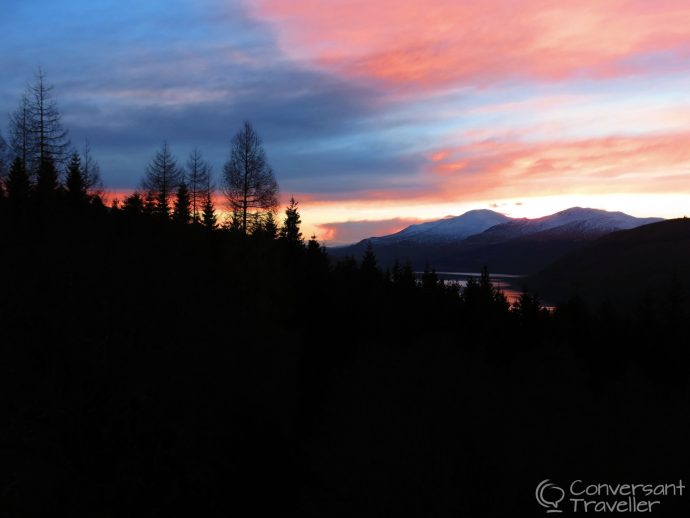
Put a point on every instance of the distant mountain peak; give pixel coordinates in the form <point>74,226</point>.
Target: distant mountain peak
<point>450,228</point>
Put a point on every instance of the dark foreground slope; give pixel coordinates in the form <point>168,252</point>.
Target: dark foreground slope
<point>649,263</point>
<point>152,369</point>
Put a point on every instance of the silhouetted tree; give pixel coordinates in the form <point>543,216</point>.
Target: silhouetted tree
<point>369,270</point>
<point>430,280</point>
<point>270,227</point>
<point>234,222</point>
<point>249,183</point>
<point>91,172</point>
<point>47,181</point>
<point>527,307</point>
<point>317,257</point>
<point>149,204</point>
<point>21,138</point>
<point>198,178</point>
<point>134,203</point>
<point>17,183</point>
<point>403,276</point>
<point>74,181</point>
<point>208,217</point>
<point>48,137</point>
<point>290,230</point>
<point>162,179</point>
<point>181,212</point>
<point>4,158</point>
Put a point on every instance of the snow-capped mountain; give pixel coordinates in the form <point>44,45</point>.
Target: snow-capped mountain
<point>485,238</point>
<point>577,222</point>
<point>452,228</point>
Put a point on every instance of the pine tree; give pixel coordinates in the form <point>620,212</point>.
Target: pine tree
<point>47,179</point>
<point>74,182</point>
<point>134,203</point>
<point>317,257</point>
<point>290,231</point>
<point>369,268</point>
<point>181,212</point>
<point>17,183</point>
<point>199,179</point>
<point>162,179</point>
<point>208,217</point>
<point>149,204</point>
<point>235,222</point>
<point>270,227</point>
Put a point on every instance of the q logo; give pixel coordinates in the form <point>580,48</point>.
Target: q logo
<point>549,495</point>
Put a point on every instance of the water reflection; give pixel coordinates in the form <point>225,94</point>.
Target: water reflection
<point>511,285</point>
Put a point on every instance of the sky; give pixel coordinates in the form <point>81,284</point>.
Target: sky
<point>376,114</point>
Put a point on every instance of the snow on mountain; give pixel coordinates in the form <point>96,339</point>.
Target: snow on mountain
<point>573,222</point>
<point>453,228</point>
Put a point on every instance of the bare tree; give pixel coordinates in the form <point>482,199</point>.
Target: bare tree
<point>198,181</point>
<point>162,179</point>
<point>250,185</point>
<point>91,172</point>
<point>49,138</point>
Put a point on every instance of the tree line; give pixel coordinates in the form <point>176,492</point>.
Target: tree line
<point>39,162</point>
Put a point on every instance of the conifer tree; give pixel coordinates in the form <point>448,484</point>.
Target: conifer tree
<point>235,222</point>
<point>47,181</point>
<point>317,257</point>
<point>74,182</point>
<point>270,226</point>
<point>149,204</point>
<point>17,183</point>
<point>162,180</point>
<point>198,179</point>
<point>134,203</point>
<point>290,231</point>
<point>369,267</point>
<point>181,212</point>
<point>208,217</point>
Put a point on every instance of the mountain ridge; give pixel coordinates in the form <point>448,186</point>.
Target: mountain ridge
<point>511,245</point>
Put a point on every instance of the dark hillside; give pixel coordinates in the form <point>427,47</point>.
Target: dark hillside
<point>652,261</point>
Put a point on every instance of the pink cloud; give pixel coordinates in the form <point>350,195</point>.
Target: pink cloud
<point>350,231</point>
<point>446,42</point>
<point>646,163</point>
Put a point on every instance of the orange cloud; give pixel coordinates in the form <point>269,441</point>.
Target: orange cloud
<point>646,163</point>
<point>442,42</point>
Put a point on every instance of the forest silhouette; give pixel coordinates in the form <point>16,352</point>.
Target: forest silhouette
<point>157,361</point>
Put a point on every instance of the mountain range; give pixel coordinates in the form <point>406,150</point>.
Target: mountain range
<point>484,237</point>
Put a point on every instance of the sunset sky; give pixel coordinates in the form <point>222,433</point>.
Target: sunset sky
<point>379,113</point>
